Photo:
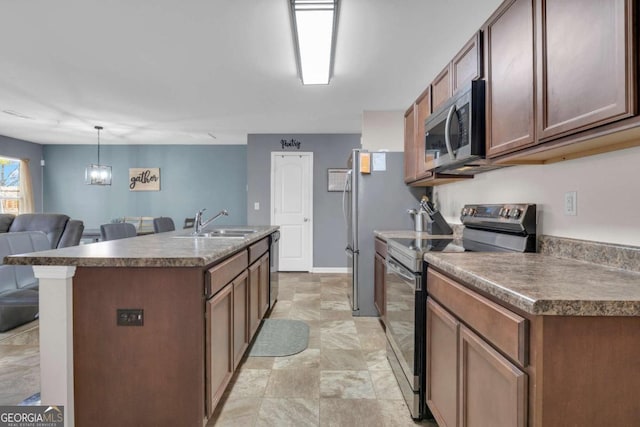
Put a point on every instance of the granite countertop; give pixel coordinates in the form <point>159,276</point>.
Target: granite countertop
<point>171,249</point>
<point>545,285</point>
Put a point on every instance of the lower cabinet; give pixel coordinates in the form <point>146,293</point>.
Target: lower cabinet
<point>469,383</point>
<point>378,280</point>
<point>219,346</point>
<point>442,364</point>
<point>254,300</point>
<point>264,284</point>
<point>492,390</point>
<point>240,316</point>
<point>379,272</point>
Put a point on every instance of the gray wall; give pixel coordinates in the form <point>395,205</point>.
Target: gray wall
<point>191,177</point>
<point>19,149</point>
<point>329,151</point>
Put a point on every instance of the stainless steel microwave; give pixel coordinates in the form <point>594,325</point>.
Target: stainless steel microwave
<point>455,133</point>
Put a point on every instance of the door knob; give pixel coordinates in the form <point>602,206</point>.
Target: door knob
<point>306,220</point>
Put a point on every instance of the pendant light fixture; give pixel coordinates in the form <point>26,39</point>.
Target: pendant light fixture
<point>97,174</point>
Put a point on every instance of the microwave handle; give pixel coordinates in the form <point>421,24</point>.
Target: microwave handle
<point>447,131</point>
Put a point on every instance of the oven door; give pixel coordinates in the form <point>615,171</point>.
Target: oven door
<point>403,293</point>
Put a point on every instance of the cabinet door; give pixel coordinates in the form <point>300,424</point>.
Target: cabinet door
<point>441,88</point>
<point>493,391</point>
<point>585,64</point>
<point>509,37</point>
<point>240,316</point>
<point>264,285</point>
<point>442,365</point>
<point>424,164</point>
<point>219,345</point>
<point>378,283</point>
<point>409,145</point>
<point>254,298</point>
<point>467,64</point>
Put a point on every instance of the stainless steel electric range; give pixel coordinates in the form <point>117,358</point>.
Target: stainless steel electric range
<point>488,228</point>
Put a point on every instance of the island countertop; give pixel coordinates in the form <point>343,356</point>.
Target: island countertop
<point>545,285</point>
<point>171,249</point>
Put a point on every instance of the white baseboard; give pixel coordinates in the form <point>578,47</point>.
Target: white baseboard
<point>329,270</point>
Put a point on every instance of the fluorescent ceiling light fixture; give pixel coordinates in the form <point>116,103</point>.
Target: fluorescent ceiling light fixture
<point>314,25</point>
<point>97,174</point>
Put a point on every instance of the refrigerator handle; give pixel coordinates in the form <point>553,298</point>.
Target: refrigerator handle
<point>347,182</point>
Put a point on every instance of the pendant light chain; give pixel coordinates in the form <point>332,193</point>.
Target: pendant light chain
<point>98,128</point>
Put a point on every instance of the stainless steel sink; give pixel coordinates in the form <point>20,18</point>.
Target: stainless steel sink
<point>222,233</point>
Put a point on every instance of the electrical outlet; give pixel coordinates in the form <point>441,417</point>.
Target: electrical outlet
<point>571,203</point>
<point>130,317</point>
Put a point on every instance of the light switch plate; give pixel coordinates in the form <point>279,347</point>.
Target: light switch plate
<point>571,203</point>
<point>256,206</point>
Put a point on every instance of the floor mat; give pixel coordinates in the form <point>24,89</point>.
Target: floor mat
<point>280,337</point>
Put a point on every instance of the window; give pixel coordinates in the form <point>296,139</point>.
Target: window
<point>9,185</point>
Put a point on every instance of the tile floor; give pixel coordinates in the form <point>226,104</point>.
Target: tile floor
<point>341,379</point>
<point>19,364</point>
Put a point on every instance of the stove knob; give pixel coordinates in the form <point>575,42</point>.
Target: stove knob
<point>505,214</point>
<point>464,212</point>
<point>515,213</point>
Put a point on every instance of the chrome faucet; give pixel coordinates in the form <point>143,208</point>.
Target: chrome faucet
<point>201,225</point>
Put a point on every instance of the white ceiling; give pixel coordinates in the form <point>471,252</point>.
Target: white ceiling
<point>173,71</point>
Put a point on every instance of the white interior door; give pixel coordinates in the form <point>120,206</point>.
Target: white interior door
<point>291,207</point>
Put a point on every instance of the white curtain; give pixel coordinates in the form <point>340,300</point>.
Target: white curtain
<point>26,190</point>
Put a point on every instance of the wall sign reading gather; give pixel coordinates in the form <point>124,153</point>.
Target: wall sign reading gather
<point>144,179</point>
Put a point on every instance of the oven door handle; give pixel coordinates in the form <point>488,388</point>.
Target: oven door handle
<point>447,132</point>
<point>394,267</point>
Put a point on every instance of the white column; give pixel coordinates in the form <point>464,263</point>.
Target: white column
<point>56,337</point>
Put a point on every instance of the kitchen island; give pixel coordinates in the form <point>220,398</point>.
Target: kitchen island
<point>148,331</point>
<point>532,339</point>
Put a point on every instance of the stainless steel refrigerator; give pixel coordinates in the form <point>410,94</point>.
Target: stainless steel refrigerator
<point>378,200</point>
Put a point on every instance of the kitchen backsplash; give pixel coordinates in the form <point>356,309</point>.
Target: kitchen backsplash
<point>608,254</point>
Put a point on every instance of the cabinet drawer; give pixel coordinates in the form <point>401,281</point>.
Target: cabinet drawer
<point>221,274</point>
<point>503,328</point>
<point>257,249</point>
<point>381,247</point>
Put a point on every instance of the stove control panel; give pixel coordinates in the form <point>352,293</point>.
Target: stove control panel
<point>511,217</point>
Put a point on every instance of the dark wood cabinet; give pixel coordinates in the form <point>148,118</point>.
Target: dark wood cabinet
<point>467,64</point>
<point>240,316</point>
<point>219,346</point>
<point>410,164</point>
<point>470,382</point>
<point>442,365</point>
<point>424,163</point>
<point>254,298</point>
<point>585,64</point>
<point>510,96</point>
<point>441,88</point>
<point>264,285</point>
<point>380,269</point>
<point>492,390</point>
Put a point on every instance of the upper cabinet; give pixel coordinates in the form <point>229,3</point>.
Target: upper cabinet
<point>409,145</point>
<point>585,64</point>
<point>467,64</point>
<point>561,82</point>
<point>424,163</point>
<point>441,88</point>
<point>510,95</point>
